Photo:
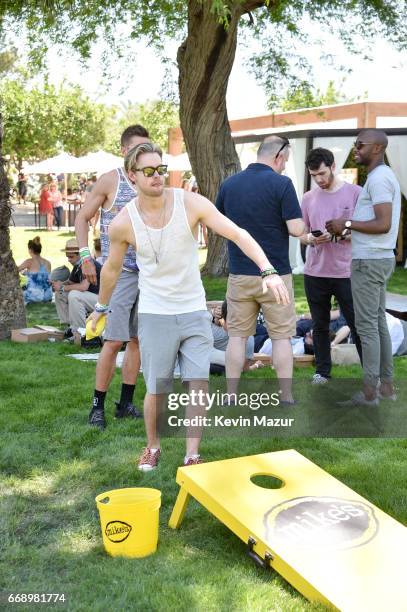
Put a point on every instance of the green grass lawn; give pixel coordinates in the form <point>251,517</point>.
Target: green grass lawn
<point>53,244</point>
<point>53,465</point>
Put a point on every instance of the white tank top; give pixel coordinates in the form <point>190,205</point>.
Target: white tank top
<point>173,285</point>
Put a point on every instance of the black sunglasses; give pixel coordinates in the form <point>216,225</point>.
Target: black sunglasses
<point>359,145</point>
<point>149,171</point>
<point>286,144</point>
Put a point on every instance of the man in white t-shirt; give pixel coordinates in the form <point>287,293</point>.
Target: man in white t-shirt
<point>374,226</point>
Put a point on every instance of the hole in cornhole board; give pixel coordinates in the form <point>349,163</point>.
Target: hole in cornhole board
<point>267,481</point>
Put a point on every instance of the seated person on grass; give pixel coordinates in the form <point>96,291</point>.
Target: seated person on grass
<point>397,330</point>
<point>75,298</point>
<point>220,342</point>
<point>36,269</point>
<point>302,342</point>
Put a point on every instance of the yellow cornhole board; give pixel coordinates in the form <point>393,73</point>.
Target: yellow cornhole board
<point>330,543</point>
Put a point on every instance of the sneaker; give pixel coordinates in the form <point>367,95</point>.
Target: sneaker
<point>193,460</point>
<point>97,418</point>
<point>68,333</point>
<point>148,460</point>
<point>359,400</point>
<point>127,411</point>
<point>318,379</point>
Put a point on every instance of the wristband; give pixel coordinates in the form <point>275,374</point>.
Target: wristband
<point>268,272</point>
<point>102,308</point>
<point>84,251</point>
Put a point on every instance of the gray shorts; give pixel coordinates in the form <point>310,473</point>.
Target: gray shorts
<point>163,338</point>
<point>122,320</point>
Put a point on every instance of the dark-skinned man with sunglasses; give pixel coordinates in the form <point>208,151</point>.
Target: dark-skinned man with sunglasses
<point>263,202</point>
<point>374,226</point>
<point>110,194</point>
<point>162,225</point>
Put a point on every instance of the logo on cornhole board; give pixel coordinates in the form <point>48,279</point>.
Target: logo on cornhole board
<point>321,522</point>
<point>117,531</point>
<point>330,543</point>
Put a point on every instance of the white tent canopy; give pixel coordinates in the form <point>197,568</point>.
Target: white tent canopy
<point>54,165</point>
<point>177,163</point>
<point>99,162</point>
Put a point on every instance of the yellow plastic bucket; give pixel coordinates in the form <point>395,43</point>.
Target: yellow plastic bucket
<point>129,521</point>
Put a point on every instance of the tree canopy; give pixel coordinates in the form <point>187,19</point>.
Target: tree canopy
<point>157,116</point>
<point>303,95</point>
<point>41,121</point>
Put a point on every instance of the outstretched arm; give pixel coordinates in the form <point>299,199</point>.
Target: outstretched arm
<point>211,217</point>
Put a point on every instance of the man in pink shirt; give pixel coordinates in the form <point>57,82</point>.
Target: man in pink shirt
<point>328,265</point>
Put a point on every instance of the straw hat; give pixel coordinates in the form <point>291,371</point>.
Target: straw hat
<point>71,246</point>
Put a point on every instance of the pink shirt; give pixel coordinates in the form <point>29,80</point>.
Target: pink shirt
<point>329,259</point>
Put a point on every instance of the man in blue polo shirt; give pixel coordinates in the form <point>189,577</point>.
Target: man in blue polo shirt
<point>265,204</point>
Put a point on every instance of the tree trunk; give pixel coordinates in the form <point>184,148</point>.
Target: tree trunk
<point>205,61</point>
<point>12,310</point>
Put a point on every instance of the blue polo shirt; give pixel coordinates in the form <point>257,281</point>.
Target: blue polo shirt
<point>260,201</point>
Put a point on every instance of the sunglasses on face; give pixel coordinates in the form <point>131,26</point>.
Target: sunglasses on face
<point>359,145</point>
<point>149,171</point>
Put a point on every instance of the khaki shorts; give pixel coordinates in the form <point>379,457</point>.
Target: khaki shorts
<point>245,297</point>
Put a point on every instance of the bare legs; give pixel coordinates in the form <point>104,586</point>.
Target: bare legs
<point>107,363</point>
<point>282,361</point>
<point>154,404</point>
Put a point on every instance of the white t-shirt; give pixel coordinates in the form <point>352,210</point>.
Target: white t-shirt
<point>381,187</point>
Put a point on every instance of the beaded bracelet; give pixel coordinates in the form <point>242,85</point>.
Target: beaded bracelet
<point>102,308</point>
<point>268,272</point>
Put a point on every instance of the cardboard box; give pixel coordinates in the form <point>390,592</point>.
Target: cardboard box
<point>39,333</point>
<point>53,332</point>
<point>29,334</point>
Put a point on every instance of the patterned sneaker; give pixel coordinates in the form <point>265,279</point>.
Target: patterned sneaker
<point>148,460</point>
<point>318,379</point>
<point>193,460</point>
<point>97,418</point>
<point>127,411</point>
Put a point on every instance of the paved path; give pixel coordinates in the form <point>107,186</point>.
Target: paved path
<point>23,216</point>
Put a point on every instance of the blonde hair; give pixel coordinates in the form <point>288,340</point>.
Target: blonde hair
<point>130,161</point>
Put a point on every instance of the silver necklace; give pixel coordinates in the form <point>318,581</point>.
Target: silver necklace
<point>162,220</point>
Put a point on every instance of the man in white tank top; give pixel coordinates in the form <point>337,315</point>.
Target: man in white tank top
<point>162,225</point>
<point>110,193</point>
